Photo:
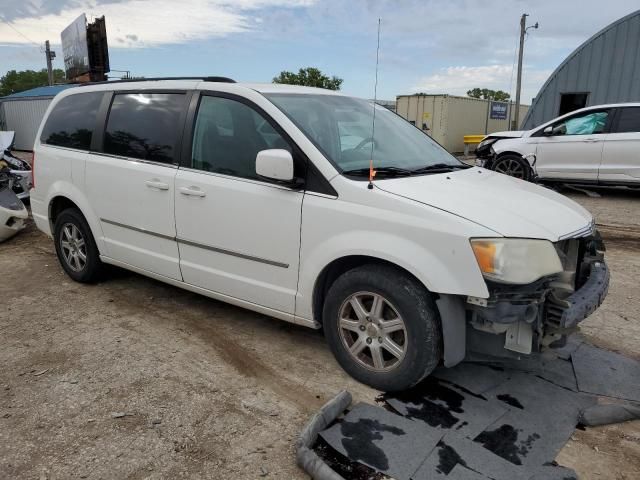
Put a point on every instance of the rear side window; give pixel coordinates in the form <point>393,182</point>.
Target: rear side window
<point>72,121</point>
<point>628,120</point>
<point>144,126</point>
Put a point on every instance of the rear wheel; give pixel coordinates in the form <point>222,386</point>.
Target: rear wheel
<point>514,166</point>
<point>382,327</point>
<point>76,248</point>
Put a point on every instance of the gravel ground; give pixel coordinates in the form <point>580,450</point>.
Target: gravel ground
<point>135,379</point>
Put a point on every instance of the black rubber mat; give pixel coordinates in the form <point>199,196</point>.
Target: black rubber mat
<point>443,405</point>
<point>504,419</point>
<point>606,373</point>
<point>384,441</point>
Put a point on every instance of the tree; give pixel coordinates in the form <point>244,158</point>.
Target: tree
<point>309,77</point>
<point>488,94</point>
<point>14,82</point>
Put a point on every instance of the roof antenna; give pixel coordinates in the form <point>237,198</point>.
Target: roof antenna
<point>372,172</point>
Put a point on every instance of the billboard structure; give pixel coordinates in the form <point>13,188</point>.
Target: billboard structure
<point>98,49</point>
<point>85,50</point>
<point>74,48</point>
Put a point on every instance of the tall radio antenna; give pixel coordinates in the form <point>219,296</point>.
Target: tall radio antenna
<point>372,172</point>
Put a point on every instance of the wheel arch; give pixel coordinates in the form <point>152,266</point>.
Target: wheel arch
<point>57,205</point>
<point>62,198</point>
<point>450,308</point>
<point>341,265</point>
<point>500,155</point>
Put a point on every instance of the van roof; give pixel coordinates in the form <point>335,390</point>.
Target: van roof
<point>200,82</point>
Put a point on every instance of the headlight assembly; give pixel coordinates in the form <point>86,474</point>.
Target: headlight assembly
<point>515,260</point>
<point>486,142</point>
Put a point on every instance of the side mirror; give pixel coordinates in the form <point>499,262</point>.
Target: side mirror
<point>275,164</point>
<point>548,130</point>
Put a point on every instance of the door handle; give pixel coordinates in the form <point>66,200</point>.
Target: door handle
<point>591,140</point>
<point>192,191</point>
<point>157,185</point>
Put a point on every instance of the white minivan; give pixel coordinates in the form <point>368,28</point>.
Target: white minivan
<point>260,196</point>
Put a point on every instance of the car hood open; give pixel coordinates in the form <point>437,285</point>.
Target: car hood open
<point>506,205</point>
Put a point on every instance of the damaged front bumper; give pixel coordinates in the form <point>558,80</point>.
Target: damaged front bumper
<point>528,318</point>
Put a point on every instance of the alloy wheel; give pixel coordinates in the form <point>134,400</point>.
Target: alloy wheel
<point>73,247</point>
<point>511,167</point>
<point>373,331</point>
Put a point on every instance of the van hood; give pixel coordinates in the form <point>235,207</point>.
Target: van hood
<point>508,134</point>
<point>506,205</point>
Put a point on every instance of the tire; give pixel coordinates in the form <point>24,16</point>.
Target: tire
<point>514,166</point>
<point>73,240</point>
<point>402,298</point>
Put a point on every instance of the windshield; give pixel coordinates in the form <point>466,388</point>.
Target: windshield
<point>341,127</point>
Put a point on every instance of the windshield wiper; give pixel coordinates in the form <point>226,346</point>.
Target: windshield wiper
<point>439,168</point>
<point>387,171</point>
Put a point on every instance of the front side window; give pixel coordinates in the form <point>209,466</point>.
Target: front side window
<point>588,124</point>
<point>144,125</point>
<point>228,135</point>
<point>72,121</point>
<point>342,128</point>
<point>628,120</point>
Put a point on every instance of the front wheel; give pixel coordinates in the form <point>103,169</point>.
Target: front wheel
<point>514,166</point>
<point>382,327</point>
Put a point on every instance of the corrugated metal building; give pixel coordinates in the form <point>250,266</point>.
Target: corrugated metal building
<point>604,69</point>
<point>22,112</point>
<point>448,118</point>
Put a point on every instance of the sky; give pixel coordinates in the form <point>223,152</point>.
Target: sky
<point>431,46</point>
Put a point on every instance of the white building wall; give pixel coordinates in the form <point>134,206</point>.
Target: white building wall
<point>23,116</point>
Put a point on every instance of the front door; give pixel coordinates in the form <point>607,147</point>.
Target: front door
<point>130,184</point>
<point>238,234</point>
<point>573,147</point>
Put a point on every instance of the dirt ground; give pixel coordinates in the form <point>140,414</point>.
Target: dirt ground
<point>132,379</point>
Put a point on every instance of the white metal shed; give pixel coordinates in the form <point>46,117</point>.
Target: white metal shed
<point>22,112</point>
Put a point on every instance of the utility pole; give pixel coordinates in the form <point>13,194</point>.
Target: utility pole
<point>523,32</point>
<point>50,56</point>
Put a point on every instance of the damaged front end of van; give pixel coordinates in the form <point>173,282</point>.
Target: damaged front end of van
<point>521,316</point>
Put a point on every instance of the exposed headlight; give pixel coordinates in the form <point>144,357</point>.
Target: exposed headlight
<point>486,142</point>
<point>515,260</point>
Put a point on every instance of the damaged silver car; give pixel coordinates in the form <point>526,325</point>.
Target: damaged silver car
<point>20,168</point>
<point>13,213</point>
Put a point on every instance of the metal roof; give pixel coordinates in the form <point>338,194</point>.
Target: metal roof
<point>606,66</point>
<point>47,91</point>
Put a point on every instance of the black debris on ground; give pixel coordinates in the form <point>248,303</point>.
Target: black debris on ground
<point>344,466</point>
<point>498,420</point>
<point>384,441</point>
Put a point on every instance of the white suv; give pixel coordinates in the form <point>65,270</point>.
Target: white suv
<point>594,145</point>
<point>258,195</point>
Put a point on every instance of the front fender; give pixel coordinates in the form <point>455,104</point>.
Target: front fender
<point>451,269</point>
<point>517,146</point>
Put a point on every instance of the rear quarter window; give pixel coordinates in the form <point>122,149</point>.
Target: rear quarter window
<point>628,120</point>
<point>72,121</point>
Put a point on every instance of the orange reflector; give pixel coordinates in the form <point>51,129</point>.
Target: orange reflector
<point>485,253</point>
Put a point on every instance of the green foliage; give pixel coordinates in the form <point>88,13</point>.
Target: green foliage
<point>488,94</point>
<point>309,77</point>
<point>14,82</point>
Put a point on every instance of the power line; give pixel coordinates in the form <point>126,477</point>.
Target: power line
<point>22,34</point>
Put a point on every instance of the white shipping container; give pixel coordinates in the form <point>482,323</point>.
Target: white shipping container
<point>448,118</point>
